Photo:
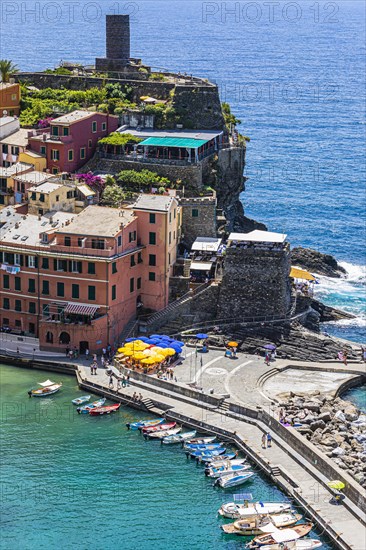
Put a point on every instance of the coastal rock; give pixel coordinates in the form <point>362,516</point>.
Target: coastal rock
<point>351,413</point>
<point>309,419</point>
<point>338,451</point>
<point>325,416</point>
<point>317,424</point>
<point>314,261</point>
<point>312,406</point>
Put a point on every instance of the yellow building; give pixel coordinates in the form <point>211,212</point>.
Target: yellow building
<point>51,195</point>
<point>31,157</point>
<point>7,176</point>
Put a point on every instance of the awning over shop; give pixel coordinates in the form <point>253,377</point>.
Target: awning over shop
<point>186,143</point>
<point>206,244</point>
<point>73,308</point>
<point>85,190</point>
<point>298,273</point>
<point>201,266</point>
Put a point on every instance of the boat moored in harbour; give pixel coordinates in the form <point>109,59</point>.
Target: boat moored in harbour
<point>81,400</point>
<point>303,544</point>
<point>179,438</point>
<point>201,440</point>
<point>99,411</point>
<point>233,480</point>
<point>47,388</point>
<point>158,428</point>
<point>163,433</point>
<point>253,525</point>
<point>226,470</point>
<point>86,408</point>
<point>273,535</point>
<point>144,423</point>
<point>233,510</point>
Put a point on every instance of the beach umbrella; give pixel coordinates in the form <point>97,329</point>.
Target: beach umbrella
<point>144,338</point>
<point>139,355</point>
<point>165,337</point>
<point>233,344</point>
<point>158,358</point>
<point>154,341</point>
<point>134,342</point>
<point>127,352</point>
<point>149,361</point>
<point>152,336</point>
<point>131,339</point>
<point>270,346</point>
<point>201,336</point>
<point>178,349</point>
<point>137,346</point>
<point>169,351</point>
<point>336,484</point>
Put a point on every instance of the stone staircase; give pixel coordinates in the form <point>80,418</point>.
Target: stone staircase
<point>275,471</point>
<point>148,404</point>
<point>224,407</point>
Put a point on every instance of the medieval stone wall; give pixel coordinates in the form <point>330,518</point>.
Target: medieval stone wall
<point>198,218</point>
<point>255,283</point>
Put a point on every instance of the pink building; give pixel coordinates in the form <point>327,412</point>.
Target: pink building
<point>72,139</point>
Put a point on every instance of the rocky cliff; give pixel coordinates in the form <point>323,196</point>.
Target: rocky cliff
<point>316,262</point>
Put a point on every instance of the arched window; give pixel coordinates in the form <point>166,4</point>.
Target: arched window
<point>64,338</point>
<point>49,337</point>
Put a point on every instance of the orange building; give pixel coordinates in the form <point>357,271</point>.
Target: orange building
<point>9,99</point>
<point>78,279</point>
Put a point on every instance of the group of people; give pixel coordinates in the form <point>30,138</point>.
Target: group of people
<point>93,367</point>
<point>269,356</point>
<point>72,353</point>
<point>266,440</point>
<point>342,356</point>
<point>137,398</point>
<point>166,374</point>
<point>230,352</point>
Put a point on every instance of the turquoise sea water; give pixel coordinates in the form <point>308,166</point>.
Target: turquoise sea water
<point>70,480</point>
<point>357,396</point>
<point>294,75</point>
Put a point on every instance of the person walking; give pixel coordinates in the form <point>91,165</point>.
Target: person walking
<point>118,384</point>
<point>102,360</point>
<point>267,359</point>
<point>123,381</point>
<point>128,379</point>
<point>111,380</point>
<point>345,357</point>
<point>269,440</point>
<point>264,441</point>
<point>87,353</point>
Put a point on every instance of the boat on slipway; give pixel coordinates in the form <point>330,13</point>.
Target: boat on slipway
<point>233,480</point>
<point>226,470</point>
<point>171,439</point>
<point>87,408</point>
<point>163,433</point>
<point>144,423</point>
<point>273,535</point>
<point>81,400</point>
<point>254,525</point>
<point>99,411</point>
<point>47,388</point>
<point>233,510</point>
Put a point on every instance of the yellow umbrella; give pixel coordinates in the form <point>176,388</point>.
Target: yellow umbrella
<point>148,361</point>
<point>233,344</point>
<point>138,355</point>
<point>136,346</point>
<point>168,351</point>
<point>158,358</point>
<point>127,352</point>
<point>336,484</point>
<point>298,273</point>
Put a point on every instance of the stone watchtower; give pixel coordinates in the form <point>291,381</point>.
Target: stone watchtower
<point>117,46</point>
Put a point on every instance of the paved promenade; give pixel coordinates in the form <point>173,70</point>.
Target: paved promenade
<point>309,481</point>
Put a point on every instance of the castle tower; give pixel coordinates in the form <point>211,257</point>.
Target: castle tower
<point>117,44</point>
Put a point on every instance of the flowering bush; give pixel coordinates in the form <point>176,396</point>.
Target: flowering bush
<point>96,183</point>
<point>45,122</point>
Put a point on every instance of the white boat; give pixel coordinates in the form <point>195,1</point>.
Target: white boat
<point>303,544</point>
<point>220,463</point>
<point>47,388</point>
<point>232,510</point>
<point>170,439</point>
<point>80,400</point>
<point>201,441</point>
<point>163,433</point>
<point>226,471</point>
<point>233,480</point>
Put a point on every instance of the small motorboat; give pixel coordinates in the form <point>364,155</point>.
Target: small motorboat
<point>145,423</point>
<point>232,510</point>
<point>303,544</point>
<point>226,471</point>
<point>208,460</point>
<point>158,428</point>
<point>280,536</point>
<point>163,433</point>
<point>201,440</point>
<point>253,525</point>
<point>81,400</point>
<point>86,408</point>
<point>205,454</point>
<point>98,411</point>
<point>225,463</point>
<point>208,447</point>
<point>233,480</point>
<point>171,439</point>
<point>47,388</point>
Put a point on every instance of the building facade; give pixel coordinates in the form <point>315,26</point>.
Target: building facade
<point>9,99</point>
<point>72,139</point>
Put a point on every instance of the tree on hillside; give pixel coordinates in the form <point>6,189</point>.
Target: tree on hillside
<point>7,68</point>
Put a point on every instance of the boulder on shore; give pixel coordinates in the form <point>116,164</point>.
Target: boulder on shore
<point>314,261</point>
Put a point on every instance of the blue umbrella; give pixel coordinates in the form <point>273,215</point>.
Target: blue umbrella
<point>178,343</point>
<point>176,348</point>
<point>201,336</point>
<point>152,336</point>
<point>270,346</point>
<point>143,338</point>
<point>152,341</point>
<point>165,337</point>
<point>132,339</point>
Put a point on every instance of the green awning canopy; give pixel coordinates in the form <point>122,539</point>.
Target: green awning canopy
<point>187,143</point>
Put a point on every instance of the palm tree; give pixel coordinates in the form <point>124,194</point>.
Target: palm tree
<point>7,68</point>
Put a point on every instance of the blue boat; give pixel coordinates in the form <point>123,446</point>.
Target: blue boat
<point>206,454</point>
<point>145,423</point>
<point>211,460</point>
<point>90,406</point>
<point>203,447</point>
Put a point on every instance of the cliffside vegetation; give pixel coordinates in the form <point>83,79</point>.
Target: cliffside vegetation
<point>7,68</point>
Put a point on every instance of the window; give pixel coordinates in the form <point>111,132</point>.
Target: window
<point>54,131</point>
<point>42,150</point>
<point>114,267</point>
<point>31,261</point>
<point>17,259</point>
<point>114,292</point>
<point>45,288</point>
<point>6,303</point>
<point>32,328</point>
<point>91,292</point>
<point>17,283</point>
<point>18,305</point>
<point>13,97</point>
<point>170,237</point>
<point>90,143</point>
<point>82,152</point>
<point>57,198</point>
<point>104,126</point>
<point>75,291</point>
<point>132,260</point>
<point>32,307</point>
<point>6,281</point>
<point>41,197</point>
<point>131,236</point>
<point>98,243</point>
<point>152,218</point>
<point>76,267</point>
<point>70,154</point>
<point>152,259</point>
<point>194,212</point>
<point>139,257</point>
<point>40,212</point>
<point>80,241</point>
<point>66,131</point>
<point>139,282</point>
<point>61,265</point>
<point>33,196</point>
<point>55,154</point>
<point>91,268</point>
<point>119,240</point>
<point>45,263</point>
<point>170,217</point>
<point>152,238</point>
<point>31,285</point>
<point>94,127</point>
<point>67,241</point>
<point>132,284</point>
<point>175,213</point>
<point>54,170</point>
<point>70,194</point>
<point>18,323</point>
<point>151,275</point>
<point>60,289</point>
<point>5,321</point>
